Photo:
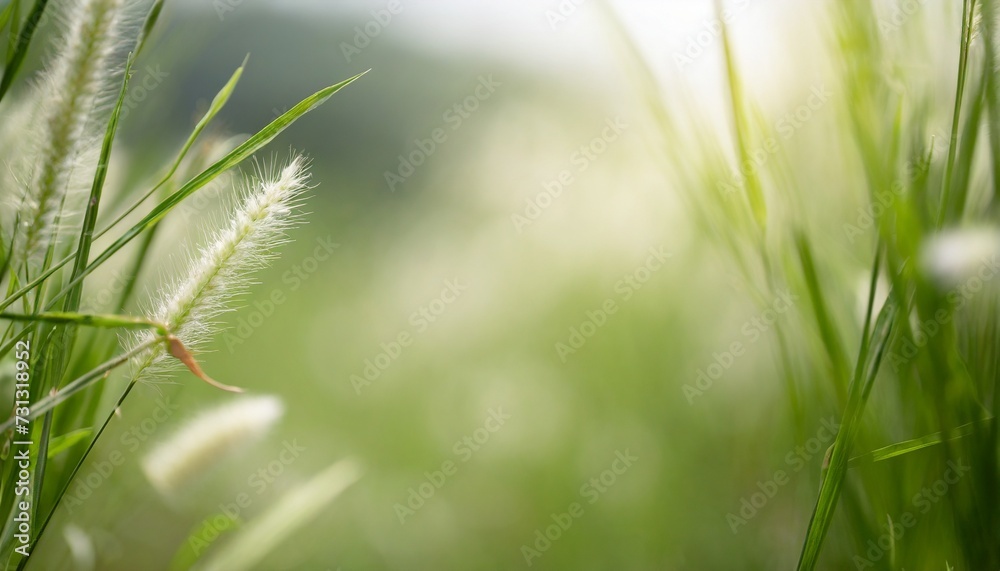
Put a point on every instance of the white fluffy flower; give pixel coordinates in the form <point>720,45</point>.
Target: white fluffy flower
<point>951,257</point>
<point>189,309</point>
<point>68,101</point>
<point>201,443</point>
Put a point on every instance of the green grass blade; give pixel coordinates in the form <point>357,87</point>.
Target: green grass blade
<point>23,41</point>
<point>41,464</point>
<point>88,320</point>
<point>869,360</point>
<point>754,190</point>
<point>147,28</point>
<point>235,157</point>
<point>10,15</point>
<point>916,444</point>
<point>968,9</point>
<point>294,510</point>
<point>9,252</point>
<point>837,355</point>
<point>220,100</point>
<point>217,104</point>
<point>64,442</point>
<point>186,557</point>
<point>990,14</point>
<point>39,532</point>
<point>72,301</point>
<point>966,154</point>
<point>248,148</point>
<point>50,402</point>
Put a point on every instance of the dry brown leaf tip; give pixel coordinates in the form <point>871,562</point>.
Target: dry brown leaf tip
<point>177,349</point>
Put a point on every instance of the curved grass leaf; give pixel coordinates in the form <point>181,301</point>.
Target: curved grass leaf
<point>238,155</point>
<point>53,400</point>
<point>235,157</point>
<point>64,442</point>
<point>869,360</point>
<point>15,59</point>
<point>294,510</point>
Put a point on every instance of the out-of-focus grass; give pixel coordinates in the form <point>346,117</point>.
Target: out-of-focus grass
<point>625,389</point>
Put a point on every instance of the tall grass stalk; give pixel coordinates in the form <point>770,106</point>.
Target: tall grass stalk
<point>45,245</point>
<point>927,357</point>
<point>67,100</point>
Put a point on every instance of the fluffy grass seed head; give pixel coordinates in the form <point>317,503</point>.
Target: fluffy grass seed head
<point>953,256</point>
<point>191,307</point>
<point>199,445</point>
<point>68,98</point>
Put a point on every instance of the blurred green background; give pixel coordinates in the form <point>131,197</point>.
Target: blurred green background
<point>537,263</point>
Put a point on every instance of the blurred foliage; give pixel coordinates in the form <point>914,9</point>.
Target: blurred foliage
<point>358,275</point>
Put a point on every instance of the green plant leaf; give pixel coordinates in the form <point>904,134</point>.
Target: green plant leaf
<point>295,509</point>
<point>836,354</point>
<point>220,100</point>
<point>73,387</point>
<point>864,377</point>
<point>16,59</point>
<point>66,441</point>
<point>89,320</point>
<point>238,155</point>
<point>72,301</point>
<point>198,541</point>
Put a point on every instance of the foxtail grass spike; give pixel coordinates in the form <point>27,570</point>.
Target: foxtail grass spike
<point>68,97</point>
<point>199,444</point>
<point>222,271</point>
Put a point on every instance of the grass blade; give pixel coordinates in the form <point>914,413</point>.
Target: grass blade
<point>248,148</point>
<point>10,15</point>
<point>220,100</point>
<point>147,28</point>
<point>72,301</point>
<point>23,41</point>
<point>827,330</point>
<point>89,320</point>
<point>64,442</point>
<point>968,10</point>
<point>235,157</point>
<point>754,191</point>
<point>53,400</point>
<point>916,444</point>
<point>294,510</point>
<point>869,360</point>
